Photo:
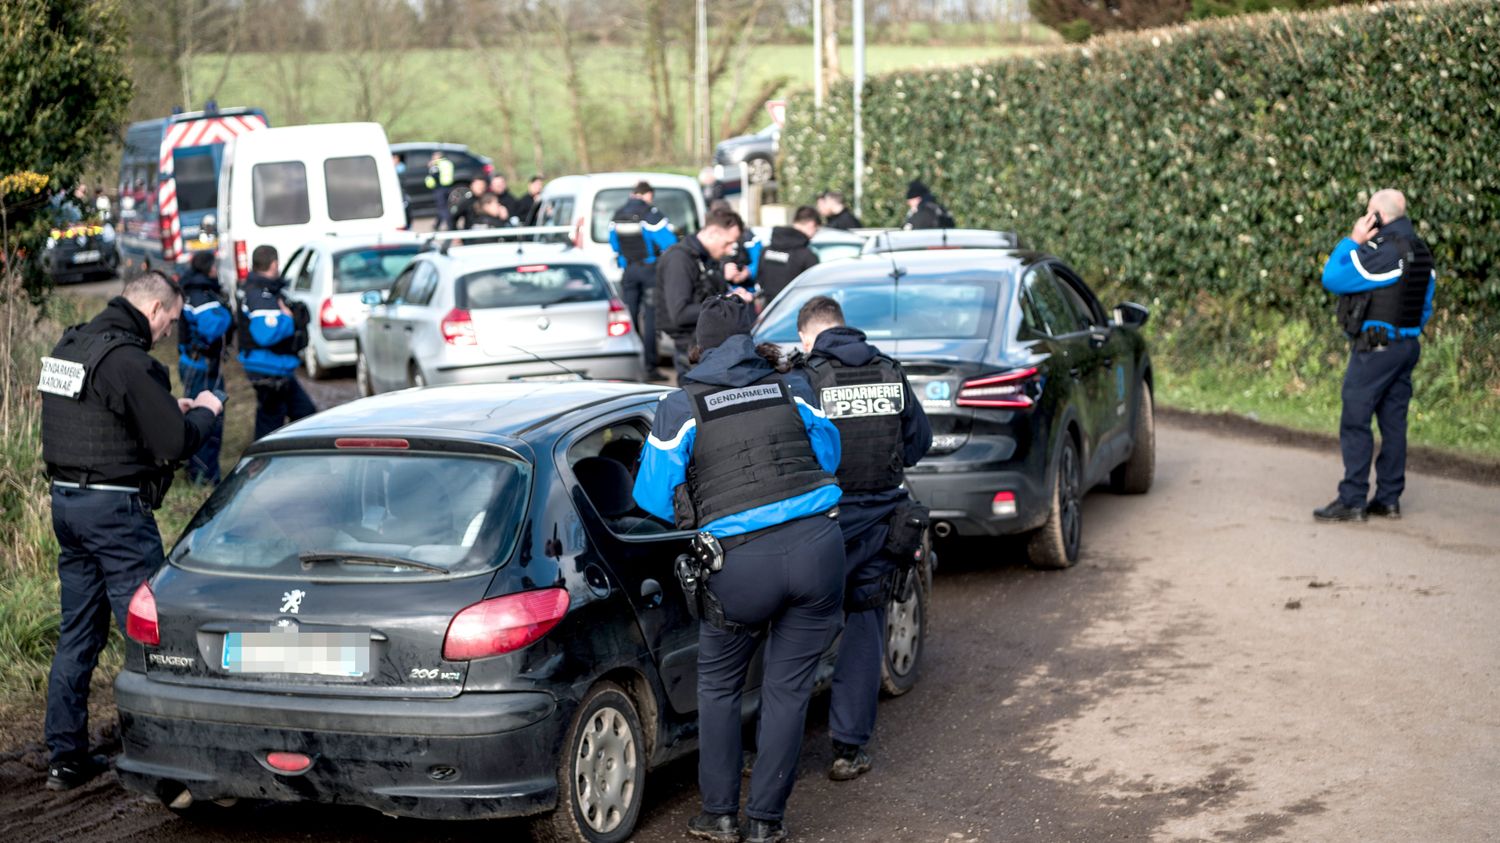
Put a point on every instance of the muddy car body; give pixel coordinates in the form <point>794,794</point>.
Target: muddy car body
<point>474,619</point>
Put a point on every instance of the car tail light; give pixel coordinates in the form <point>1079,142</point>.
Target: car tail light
<point>458,328</point>
<point>579,226</point>
<point>1009,389</point>
<point>503,624</point>
<point>1004,505</point>
<point>288,762</point>
<point>328,317</point>
<point>619,319</point>
<point>140,618</point>
<point>241,259</point>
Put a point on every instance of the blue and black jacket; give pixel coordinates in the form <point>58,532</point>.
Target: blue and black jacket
<point>206,326</point>
<point>267,342</point>
<point>669,448</point>
<point>656,235</point>
<point>1353,269</point>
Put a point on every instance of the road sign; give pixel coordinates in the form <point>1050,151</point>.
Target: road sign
<point>777,108</point>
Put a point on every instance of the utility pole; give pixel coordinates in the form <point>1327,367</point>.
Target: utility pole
<point>700,83</point>
<point>859,95</point>
<point>818,56</point>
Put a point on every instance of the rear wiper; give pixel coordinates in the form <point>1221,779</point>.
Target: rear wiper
<point>314,557</point>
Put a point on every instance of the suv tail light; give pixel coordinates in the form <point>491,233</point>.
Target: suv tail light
<point>503,624</point>
<point>579,227</point>
<point>1013,389</point>
<point>328,317</point>
<point>458,328</point>
<point>241,259</point>
<point>140,618</point>
<point>619,319</point>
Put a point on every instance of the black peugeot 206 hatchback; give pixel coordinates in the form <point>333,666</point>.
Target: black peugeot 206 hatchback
<point>437,603</point>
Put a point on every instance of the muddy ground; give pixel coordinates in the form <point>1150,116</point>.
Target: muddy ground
<point>1217,668</point>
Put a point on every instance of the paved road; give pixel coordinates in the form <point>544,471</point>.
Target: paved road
<point>1218,667</point>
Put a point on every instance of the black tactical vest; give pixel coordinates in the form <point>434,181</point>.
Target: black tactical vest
<point>865,403</point>
<point>1401,304</point>
<point>750,449</point>
<point>79,432</point>
<point>631,238</point>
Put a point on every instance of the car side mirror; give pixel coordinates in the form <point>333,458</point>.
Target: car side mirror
<point>1131,314</point>
<point>209,225</point>
<point>371,297</point>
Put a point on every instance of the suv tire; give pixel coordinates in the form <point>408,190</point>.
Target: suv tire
<point>1055,544</point>
<point>1134,476</point>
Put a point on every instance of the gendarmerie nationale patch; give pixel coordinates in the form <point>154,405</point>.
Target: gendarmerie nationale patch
<point>870,399</point>
<point>61,377</point>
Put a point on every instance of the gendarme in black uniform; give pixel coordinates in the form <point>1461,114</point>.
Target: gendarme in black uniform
<point>883,430</point>
<point>789,255</point>
<point>686,276</point>
<point>111,432</point>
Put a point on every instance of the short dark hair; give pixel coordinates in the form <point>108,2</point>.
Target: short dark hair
<point>723,218</point>
<point>807,214</point>
<point>833,196</point>
<point>641,187</point>
<point>820,310</point>
<point>537,177</point>
<point>262,258</point>
<point>202,262</point>
<point>152,284</point>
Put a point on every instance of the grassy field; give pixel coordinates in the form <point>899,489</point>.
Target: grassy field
<point>453,95</point>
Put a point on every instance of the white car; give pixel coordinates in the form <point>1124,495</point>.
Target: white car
<point>504,311</point>
<point>330,275</point>
<point>588,203</point>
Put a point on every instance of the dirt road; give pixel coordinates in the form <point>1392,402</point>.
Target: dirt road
<point>1218,667</point>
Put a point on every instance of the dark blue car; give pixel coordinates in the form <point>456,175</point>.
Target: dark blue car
<point>1035,393</point>
<point>437,603</point>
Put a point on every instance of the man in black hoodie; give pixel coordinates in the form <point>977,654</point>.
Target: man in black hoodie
<point>884,431</point>
<point>790,253</point>
<point>111,435</point>
<point>835,215</point>
<point>687,275</point>
<point>924,210</point>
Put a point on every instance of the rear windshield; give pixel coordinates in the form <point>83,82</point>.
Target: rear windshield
<point>677,205</point>
<point>918,309</point>
<point>531,286</point>
<point>374,268</point>
<point>197,181</point>
<point>279,193</point>
<point>353,186</point>
<point>277,513</point>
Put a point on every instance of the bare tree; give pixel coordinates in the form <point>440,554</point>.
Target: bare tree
<point>560,16</point>
<point>170,35</point>
<point>368,46</point>
<point>831,72</point>
<point>485,39</point>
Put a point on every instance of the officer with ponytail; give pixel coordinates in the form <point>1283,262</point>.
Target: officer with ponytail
<point>741,455</point>
<point>884,431</point>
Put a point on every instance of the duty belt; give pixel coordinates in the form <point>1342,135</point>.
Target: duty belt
<point>731,542</point>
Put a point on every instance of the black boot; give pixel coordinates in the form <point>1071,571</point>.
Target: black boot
<point>1380,510</point>
<point>764,831</point>
<point>69,773</point>
<point>1338,512</point>
<point>722,828</point>
<point>849,762</point>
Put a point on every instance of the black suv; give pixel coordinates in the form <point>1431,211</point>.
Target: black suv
<point>1035,394</point>
<point>467,166</point>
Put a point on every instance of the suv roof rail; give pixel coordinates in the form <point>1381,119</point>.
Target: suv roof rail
<point>442,240</point>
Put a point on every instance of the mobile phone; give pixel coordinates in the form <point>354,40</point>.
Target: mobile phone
<point>1378,221</point>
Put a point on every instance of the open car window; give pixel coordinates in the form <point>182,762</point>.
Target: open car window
<point>604,462</point>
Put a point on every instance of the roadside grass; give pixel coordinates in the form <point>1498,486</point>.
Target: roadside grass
<point>28,578</point>
<point>448,95</point>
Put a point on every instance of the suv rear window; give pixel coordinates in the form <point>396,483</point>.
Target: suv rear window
<point>353,186</point>
<point>530,286</point>
<point>374,268</point>
<point>279,193</point>
<point>453,513</point>
<point>946,309</point>
<point>678,206</point>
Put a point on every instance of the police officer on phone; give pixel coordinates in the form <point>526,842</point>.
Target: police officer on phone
<point>884,431</point>
<point>273,331</point>
<point>639,234</point>
<point>1384,278</point>
<point>741,455</point>
<point>112,434</point>
<point>690,273</point>
<point>205,328</point>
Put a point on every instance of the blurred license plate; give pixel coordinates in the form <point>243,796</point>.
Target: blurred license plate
<point>320,653</point>
<point>86,257</point>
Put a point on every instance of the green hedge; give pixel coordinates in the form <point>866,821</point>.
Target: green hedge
<point>1208,169</point>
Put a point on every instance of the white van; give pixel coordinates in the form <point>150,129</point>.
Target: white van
<point>588,203</point>
<point>287,186</point>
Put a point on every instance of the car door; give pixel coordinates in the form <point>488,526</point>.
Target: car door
<point>414,320</point>
<point>1073,357</point>
<point>1111,375</point>
<point>378,337</point>
<point>638,552</point>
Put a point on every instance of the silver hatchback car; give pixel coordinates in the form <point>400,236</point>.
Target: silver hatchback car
<point>479,314</point>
